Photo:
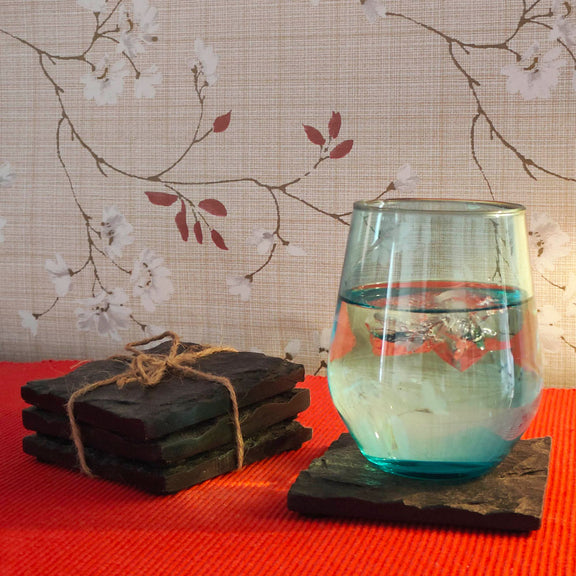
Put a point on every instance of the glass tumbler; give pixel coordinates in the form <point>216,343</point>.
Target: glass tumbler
<point>435,364</point>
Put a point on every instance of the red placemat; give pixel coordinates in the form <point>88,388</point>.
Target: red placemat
<point>57,522</point>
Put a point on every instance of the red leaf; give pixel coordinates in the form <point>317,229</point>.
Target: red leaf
<point>198,232</point>
<point>161,198</point>
<point>334,125</point>
<point>342,149</point>
<point>314,135</point>
<point>214,207</point>
<point>218,240</point>
<point>181,223</point>
<point>222,122</point>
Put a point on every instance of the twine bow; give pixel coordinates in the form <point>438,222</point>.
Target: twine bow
<point>149,370</point>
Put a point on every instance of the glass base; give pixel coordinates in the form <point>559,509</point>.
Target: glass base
<point>433,470</point>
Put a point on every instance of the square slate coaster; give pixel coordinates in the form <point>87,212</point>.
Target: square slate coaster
<point>178,445</point>
<point>143,413</point>
<point>343,483</point>
<point>170,479</point>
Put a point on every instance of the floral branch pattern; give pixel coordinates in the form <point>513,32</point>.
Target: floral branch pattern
<point>533,74</point>
<point>124,30</point>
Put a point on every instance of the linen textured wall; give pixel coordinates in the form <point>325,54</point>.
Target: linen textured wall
<point>192,165</point>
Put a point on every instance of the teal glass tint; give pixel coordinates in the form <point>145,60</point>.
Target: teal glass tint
<point>435,364</point>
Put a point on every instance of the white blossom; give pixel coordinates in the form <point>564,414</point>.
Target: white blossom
<point>93,5</point>
<point>207,60</point>
<point>60,274</point>
<point>294,250</point>
<point>550,335</point>
<point>145,84</point>
<point>406,179</point>
<point>240,286</point>
<point>146,17</point>
<point>559,8</point>
<point>105,83</point>
<point>263,241</point>
<point>536,74</point>
<point>115,232</point>
<point>563,29</point>
<point>151,280</point>
<point>373,10</point>
<point>6,174</point>
<point>105,314</point>
<point>548,242</point>
<point>323,339</point>
<point>2,224</point>
<point>394,237</point>
<point>29,321</point>
<point>130,44</point>
<point>292,349</point>
<point>137,28</point>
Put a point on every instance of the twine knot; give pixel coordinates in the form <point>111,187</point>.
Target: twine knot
<point>149,370</point>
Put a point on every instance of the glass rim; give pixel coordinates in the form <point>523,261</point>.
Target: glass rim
<point>441,206</point>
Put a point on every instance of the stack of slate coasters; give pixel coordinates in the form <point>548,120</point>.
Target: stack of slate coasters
<point>174,435</point>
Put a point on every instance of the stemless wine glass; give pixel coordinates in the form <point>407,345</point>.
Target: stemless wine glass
<point>435,363</point>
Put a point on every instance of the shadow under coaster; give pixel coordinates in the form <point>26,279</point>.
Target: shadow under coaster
<point>343,483</point>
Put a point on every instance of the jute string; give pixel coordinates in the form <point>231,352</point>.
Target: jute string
<point>149,370</point>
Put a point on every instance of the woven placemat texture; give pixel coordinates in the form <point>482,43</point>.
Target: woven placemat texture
<point>55,522</point>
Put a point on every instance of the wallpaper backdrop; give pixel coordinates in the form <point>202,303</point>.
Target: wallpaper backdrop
<point>169,164</point>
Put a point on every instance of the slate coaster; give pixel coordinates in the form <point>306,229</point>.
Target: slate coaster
<point>168,480</point>
<point>143,413</point>
<point>343,483</point>
<point>178,445</point>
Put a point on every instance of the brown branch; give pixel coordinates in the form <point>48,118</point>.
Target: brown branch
<point>527,163</point>
<point>389,188</point>
<point>552,283</point>
<point>568,343</point>
<point>268,260</point>
<point>503,45</point>
<point>80,57</point>
<point>102,162</point>
<point>336,217</point>
<point>195,138</point>
<point>85,216</point>
<point>103,23</point>
<point>475,156</point>
<point>38,315</point>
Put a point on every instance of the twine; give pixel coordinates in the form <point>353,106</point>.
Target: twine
<point>149,370</point>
